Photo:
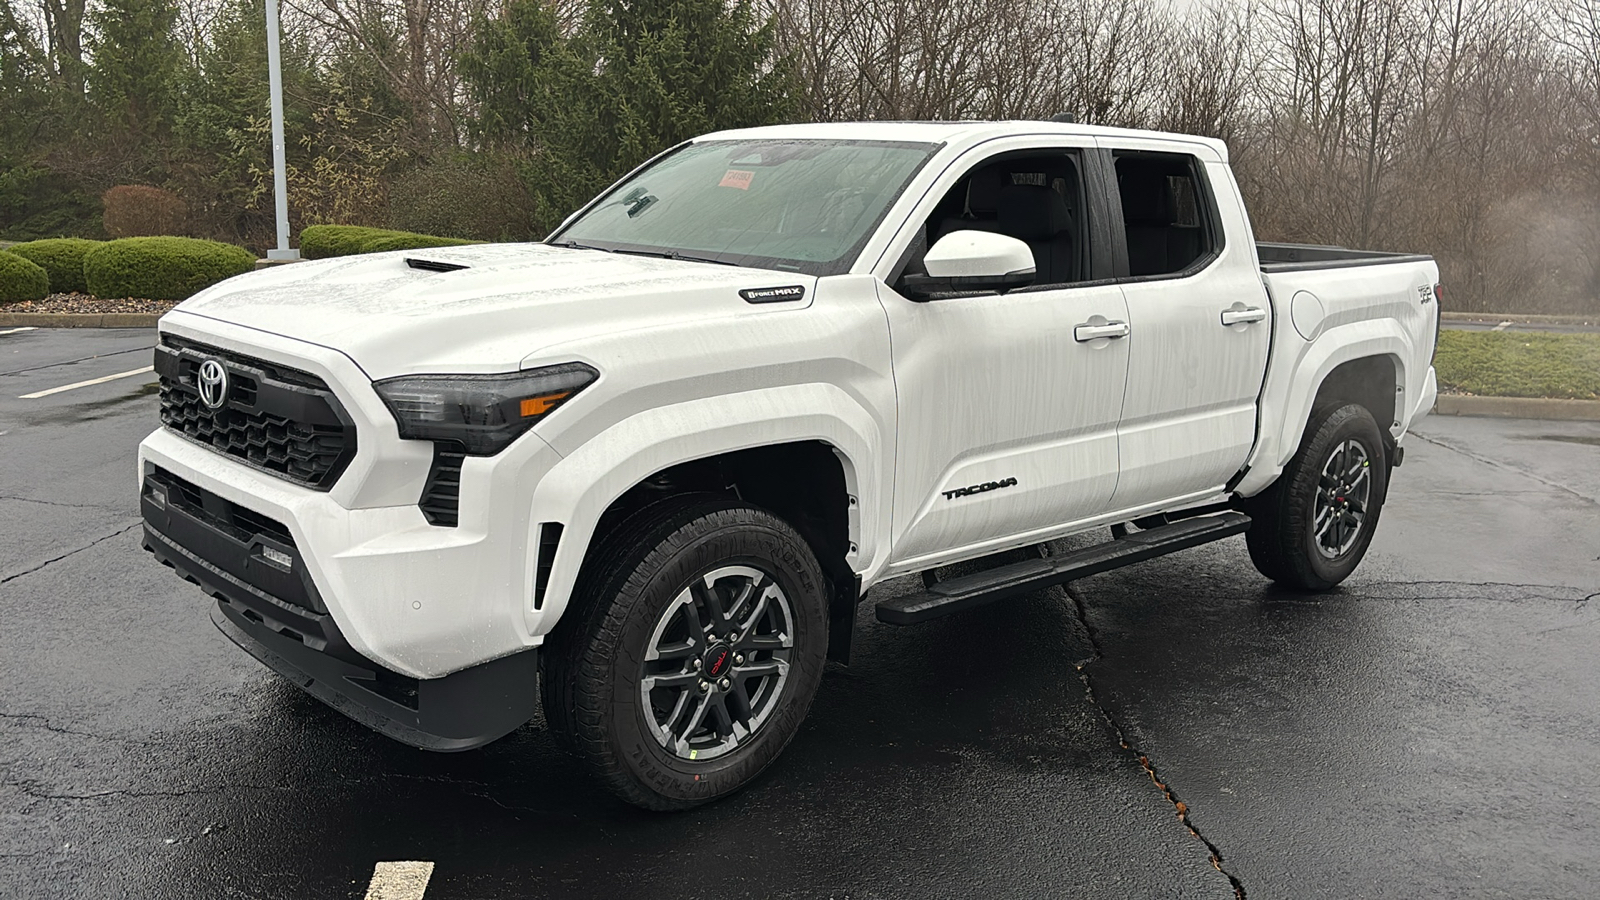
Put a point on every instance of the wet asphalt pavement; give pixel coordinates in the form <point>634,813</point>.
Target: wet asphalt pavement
<point>1430,729</point>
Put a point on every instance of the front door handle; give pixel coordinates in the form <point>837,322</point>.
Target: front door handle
<point>1243,316</point>
<point>1090,332</point>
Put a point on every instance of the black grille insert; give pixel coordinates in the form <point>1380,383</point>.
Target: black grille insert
<point>224,515</point>
<point>441,497</point>
<point>276,418</point>
<point>256,549</point>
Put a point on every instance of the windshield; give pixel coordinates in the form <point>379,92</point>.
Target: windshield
<point>803,205</point>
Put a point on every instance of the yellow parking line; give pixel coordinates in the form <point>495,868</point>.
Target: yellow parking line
<point>399,880</point>
<point>72,387</point>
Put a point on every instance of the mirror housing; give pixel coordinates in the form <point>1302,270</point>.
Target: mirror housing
<point>971,261</point>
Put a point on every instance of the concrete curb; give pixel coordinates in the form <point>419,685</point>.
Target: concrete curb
<point>1518,408</point>
<point>1523,318</point>
<point>78,320</point>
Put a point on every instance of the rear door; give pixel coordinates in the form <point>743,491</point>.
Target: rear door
<point>1201,324</point>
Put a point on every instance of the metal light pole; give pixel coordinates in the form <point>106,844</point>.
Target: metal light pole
<point>280,185</point>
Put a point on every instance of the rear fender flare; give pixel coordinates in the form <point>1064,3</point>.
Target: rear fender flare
<point>1286,410</point>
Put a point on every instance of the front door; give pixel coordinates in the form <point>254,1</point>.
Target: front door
<point>1008,403</point>
<point>996,395</point>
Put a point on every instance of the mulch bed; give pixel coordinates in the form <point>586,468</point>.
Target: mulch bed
<point>85,303</point>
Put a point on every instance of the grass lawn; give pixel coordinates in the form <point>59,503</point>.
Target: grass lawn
<point>1507,364</point>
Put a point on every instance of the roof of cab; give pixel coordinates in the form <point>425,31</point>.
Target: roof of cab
<point>964,133</point>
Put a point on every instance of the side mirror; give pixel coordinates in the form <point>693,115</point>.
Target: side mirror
<point>971,261</point>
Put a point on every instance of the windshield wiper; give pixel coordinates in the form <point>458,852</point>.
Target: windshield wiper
<point>574,245</point>
<point>676,255</point>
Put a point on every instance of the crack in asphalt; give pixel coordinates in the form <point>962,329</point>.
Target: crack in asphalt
<point>1437,442</point>
<point>1182,808</point>
<point>68,362</point>
<point>62,505</point>
<point>121,531</point>
<point>43,723</point>
<point>40,794</point>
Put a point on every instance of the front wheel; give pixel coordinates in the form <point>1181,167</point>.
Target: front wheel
<point>1312,527</point>
<point>699,640</point>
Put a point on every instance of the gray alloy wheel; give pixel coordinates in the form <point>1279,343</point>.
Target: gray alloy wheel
<point>1340,507</point>
<point>717,662</point>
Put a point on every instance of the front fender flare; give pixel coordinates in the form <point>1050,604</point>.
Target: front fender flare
<point>579,488</point>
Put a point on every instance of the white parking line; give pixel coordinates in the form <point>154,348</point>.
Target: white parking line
<point>1501,327</point>
<point>15,330</point>
<point>399,880</point>
<point>72,387</point>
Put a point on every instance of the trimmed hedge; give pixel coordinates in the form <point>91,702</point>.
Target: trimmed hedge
<point>21,279</point>
<point>324,241</point>
<point>162,268</point>
<point>62,258</point>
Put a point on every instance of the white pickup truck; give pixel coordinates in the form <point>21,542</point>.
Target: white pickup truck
<point>648,468</point>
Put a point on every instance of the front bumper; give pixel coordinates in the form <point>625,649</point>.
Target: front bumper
<point>416,598</point>
<point>460,711</point>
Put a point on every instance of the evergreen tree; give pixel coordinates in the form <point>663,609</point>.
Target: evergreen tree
<point>34,202</point>
<point>134,60</point>
<point>637,77</point>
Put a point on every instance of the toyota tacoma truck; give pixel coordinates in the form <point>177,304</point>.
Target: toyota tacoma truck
<point>643,472</point>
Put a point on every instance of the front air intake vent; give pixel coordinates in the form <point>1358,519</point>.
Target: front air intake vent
<point>441,498</point>
<point>549,541</point>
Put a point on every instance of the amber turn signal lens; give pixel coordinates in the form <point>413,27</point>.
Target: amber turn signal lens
<point>538,406</point>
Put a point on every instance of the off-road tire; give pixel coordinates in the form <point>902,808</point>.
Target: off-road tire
<point>1282,539</point>
<point>593,659</point>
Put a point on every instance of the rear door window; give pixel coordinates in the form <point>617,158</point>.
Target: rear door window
<point>1166,213</point>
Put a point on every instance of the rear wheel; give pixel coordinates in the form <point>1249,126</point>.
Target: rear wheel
<point>693,654</point>
<point>1313,526</point>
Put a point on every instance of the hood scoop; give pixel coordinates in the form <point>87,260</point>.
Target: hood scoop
<point>434,265</point>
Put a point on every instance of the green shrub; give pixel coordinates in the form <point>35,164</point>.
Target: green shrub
<point>404,241</point>
<point>21,279</point>
<point>324,241</point>
<point>162,268</point>
<point>62,258</point>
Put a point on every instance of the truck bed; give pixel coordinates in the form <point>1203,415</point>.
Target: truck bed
<point>1300,257</point>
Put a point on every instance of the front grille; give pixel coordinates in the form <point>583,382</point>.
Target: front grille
<point>275,418</point>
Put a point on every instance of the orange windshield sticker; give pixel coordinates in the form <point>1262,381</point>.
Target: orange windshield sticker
<point>737,178</point>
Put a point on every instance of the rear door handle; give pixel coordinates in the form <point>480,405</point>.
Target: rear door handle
<point>1243,316</point>
<point>1088,332</point>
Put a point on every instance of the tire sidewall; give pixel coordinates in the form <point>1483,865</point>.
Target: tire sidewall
<point>789,562</point>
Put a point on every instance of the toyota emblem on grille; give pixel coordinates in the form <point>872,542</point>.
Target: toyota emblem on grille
<point>213,384</point>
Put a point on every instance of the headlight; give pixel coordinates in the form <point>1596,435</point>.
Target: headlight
<point>483,413</point>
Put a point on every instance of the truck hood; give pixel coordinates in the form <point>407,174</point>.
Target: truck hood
<point>505,304</point>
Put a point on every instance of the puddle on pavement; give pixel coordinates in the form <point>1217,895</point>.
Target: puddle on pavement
<point>92,410</point>
<point>1591,440</point>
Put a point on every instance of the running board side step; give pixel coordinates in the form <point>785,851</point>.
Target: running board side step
<point>944,597</point>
